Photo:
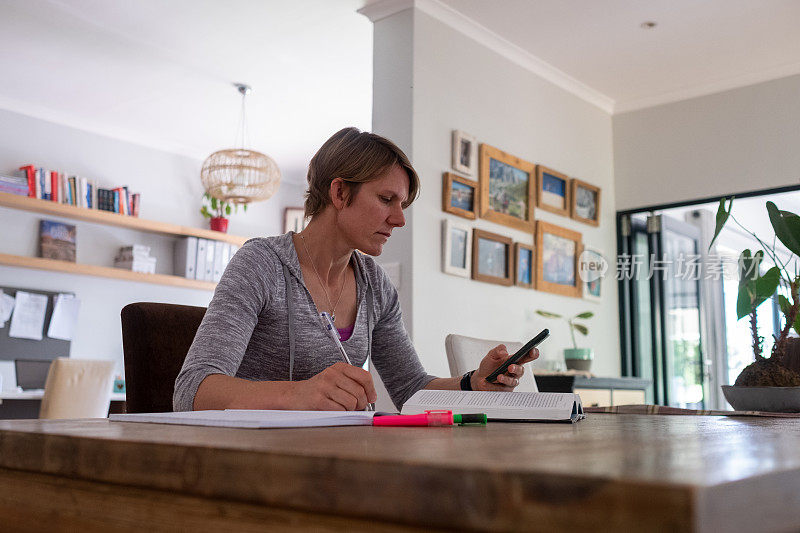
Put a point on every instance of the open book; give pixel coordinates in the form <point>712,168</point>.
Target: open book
<point>519,406</point>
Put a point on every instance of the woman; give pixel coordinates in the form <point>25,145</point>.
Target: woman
<point>262,344</point>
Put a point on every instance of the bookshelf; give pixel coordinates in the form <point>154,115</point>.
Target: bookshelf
<point>46,207</point>
<point>34,205</point>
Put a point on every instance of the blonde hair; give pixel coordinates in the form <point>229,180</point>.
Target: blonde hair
<point>357,157</point>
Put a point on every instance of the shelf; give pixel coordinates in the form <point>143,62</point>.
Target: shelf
<point>113,219</point>
<point>106,272</point>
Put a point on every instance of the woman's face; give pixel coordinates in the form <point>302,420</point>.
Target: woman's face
<point>376,210</point>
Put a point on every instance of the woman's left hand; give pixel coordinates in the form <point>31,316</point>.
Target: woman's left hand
<point>505,382</point>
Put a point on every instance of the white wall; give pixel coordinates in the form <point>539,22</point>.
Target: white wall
<point>731,142</point>
<point>460,84</point>
<point>171,192</point>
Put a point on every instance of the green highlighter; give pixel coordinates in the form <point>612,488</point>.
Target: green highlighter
<point>478,419</point>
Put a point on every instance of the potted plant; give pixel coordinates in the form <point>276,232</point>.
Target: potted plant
<point>575,358</point>
<point>760,385</point>
<point>216,209</point>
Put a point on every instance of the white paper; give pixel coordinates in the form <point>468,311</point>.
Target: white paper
<point>6,306</point>
<point>248,418</point>
<point>27,321</point>
<point>65,316</point>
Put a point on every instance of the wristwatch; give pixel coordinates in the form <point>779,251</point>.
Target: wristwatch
<point>466,380</point>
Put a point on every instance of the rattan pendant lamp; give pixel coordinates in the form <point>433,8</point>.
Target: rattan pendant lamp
<point>239,175</point>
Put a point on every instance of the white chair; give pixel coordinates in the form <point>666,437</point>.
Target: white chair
<point>77,388</point>
<point>465,353</point>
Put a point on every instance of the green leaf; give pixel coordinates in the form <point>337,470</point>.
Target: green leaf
<point>749,266</point>
<point>214,203</point>
<point>722,218</point>
<point>786,226</point>
<point>744,302</point>
<point>228,209</point>
<point>581,328</point>
<point>245,207</point>
<point>767,284</point>
<point>796,324</point>
<point>204,212</point>
<point>547,314</point>
<point>783,301</point>
<point>585,314</point>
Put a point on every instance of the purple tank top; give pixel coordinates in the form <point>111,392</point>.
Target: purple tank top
<point>345,333</point>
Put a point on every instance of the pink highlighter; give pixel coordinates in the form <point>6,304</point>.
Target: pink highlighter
<point>430,418</point>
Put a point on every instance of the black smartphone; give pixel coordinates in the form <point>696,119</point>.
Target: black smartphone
<point>492,378</point>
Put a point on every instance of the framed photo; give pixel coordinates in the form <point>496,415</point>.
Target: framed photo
<point>523,265</point>
<point>294,219</point>
<point>557,252</point>
<point>491,257</point>
<point>506,189</point>
<point>593,267</point>
<point>456,248</point>
<point>552,191</point>
<point>465,153</point>
<point>458,195</point>
<point>585,202</point>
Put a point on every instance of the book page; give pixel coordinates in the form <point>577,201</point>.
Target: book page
<point>27,322</point>
<point>445,399</point>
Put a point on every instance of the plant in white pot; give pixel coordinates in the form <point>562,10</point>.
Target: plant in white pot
<point>769,383</point>
<point>575,358</point>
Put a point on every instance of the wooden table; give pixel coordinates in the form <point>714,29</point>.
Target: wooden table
<point>608,472</point>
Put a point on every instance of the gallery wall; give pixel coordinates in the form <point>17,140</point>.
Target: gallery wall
<point>171,192</point>
<point>726,143</point>
<point>458,83</point>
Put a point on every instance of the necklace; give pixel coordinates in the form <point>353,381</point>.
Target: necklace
<point>327,296</point>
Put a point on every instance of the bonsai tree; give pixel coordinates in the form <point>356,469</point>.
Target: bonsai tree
<point>573,326</point>
<point>216,208</point>
<point>755,288</point>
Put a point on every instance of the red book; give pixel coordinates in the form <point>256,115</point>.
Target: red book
<point>54,186</point>
<point>30,172</point>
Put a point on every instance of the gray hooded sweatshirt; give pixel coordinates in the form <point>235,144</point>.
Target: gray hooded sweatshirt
<point>256,329</point>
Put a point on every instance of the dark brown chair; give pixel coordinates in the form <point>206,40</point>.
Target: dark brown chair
<point>155,340</point>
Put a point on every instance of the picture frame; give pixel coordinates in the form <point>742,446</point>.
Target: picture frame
<point>557,252</point>
<point>459,196</point>
<point>294,219</point>
<point>491,257</point>
<point>456,248</point>
<point>507,189</point>
<point>585,202</point>
<point>552,191</point>
<point>464,153</point>
<point>524,265</point>
<point>593,265</point>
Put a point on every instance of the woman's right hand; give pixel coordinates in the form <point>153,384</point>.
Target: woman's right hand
<point>340,387</point>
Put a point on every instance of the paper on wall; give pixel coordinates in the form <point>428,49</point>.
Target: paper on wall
<point>65,316</point>
<point>6,306</point>
<point>27,321</point>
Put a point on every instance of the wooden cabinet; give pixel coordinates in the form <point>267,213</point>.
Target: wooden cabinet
<point>107,218</point>
<point>595,397</point>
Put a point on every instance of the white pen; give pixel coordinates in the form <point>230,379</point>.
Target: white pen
<point>334,334</point>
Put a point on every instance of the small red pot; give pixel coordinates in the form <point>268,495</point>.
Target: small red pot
<point>219,224</point>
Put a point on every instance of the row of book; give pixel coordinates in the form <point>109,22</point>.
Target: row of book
<point>71,190</point>
<point>202,259</point>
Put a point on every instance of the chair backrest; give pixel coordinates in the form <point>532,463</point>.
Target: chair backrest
<point>155,340</point>
<point>77,388</point>
<point>465,353</point>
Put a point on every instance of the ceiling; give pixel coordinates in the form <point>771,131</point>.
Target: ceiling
<point>159,72</point>
<point>697,47</point>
